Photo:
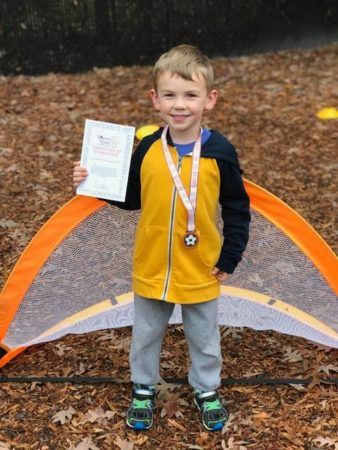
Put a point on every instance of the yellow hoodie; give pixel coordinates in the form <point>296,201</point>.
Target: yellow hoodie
<point>163,267</point>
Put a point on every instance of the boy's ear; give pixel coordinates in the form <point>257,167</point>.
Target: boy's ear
<point>211,99</point>
<point>154,99</point>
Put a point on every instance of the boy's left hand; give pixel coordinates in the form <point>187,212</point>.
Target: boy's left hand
<point>219,274</point>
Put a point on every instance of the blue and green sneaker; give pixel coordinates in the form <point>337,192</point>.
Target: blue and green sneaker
<point>140,411</point>
<point>214,415</point>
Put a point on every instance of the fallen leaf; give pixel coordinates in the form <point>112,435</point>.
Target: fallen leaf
<point>242,389</point>
<point>124,445</point>
<point>141,440</point>
<point>233,445</point>
<point>292,355</point>
<point>177,425</point>
<point>107,336</point>
<point>7,224</point>
<point>323,441</point>
<point>233,332</point>
<point>171,406</point>
<point>85,444</point>
<point>202,437</point>
<point>162,388</point>
<point>63,415</point>
<point>328,368</point>
<point>229,423</point>
<point>61,349</point>
<point>123,343</point>
<point>4,446</point>
<point>262,416</point>
<point>298,387</point>
<point>97,415</point>
<point>82,369</point>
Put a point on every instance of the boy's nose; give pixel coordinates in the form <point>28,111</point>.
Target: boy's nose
<point>179,103</point>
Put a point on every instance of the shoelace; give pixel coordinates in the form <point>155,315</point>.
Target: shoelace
<point>141,404</point>
<point>209,406</point>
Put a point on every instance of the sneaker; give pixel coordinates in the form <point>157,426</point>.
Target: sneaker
<point>140,411</point>
<point>214,415</point>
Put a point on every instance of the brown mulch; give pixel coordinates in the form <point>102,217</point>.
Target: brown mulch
<point>267,108</point>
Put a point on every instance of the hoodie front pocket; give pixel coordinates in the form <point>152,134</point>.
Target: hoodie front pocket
<point>193,265</point>
<point>150,253</point>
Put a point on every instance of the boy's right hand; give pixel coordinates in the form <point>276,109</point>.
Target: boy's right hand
<point>79,174</point>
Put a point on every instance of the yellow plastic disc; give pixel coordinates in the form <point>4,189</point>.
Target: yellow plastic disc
<point>327,113</point>
<point>146,131</point>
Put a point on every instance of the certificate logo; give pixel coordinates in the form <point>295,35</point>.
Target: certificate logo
<point>106,145</point>
<point>104,140</point>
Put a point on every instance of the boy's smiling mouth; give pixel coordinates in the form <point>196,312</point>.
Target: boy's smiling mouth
<point>179,117</point>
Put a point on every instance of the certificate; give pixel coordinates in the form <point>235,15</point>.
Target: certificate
<point>106,154</point>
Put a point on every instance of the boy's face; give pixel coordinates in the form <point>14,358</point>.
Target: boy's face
<point>181,104</point>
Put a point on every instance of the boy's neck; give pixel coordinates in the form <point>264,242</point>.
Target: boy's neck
<point>184,137</point>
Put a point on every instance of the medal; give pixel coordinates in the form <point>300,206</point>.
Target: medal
<point>190,238</point>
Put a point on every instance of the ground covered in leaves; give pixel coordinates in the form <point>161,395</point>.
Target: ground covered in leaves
<point>267,108</point>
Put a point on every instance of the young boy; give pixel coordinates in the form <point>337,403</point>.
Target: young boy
<point>177,177</point>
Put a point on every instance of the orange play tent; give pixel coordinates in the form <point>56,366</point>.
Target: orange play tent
<point>74,276</point>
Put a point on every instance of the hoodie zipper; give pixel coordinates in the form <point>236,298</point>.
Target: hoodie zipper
<point>171,230</point>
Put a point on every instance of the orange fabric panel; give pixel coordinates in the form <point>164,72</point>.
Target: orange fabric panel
<point>10,355</point>
<point>37,252</point>
<point>297,229</point>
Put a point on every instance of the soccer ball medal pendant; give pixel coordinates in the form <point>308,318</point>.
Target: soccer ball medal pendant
<point>190,239</point>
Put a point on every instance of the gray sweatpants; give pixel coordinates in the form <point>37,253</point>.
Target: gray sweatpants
<point>201,328</point>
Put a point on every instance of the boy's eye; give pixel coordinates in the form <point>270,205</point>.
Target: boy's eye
<point>168,95</point>
<point>192,95</point>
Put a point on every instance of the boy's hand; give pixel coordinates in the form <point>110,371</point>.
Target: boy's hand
<point>221,276</point>
<point>79,174</point>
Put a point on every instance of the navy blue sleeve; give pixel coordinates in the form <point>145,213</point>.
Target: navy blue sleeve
<point>235,206</point>
<point>133,194</point>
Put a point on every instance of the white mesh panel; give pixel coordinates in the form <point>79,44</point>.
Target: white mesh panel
<point>92,263</point>
<point>273,265</point>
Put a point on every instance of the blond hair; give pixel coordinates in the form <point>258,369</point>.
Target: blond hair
<point>185,61</point>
